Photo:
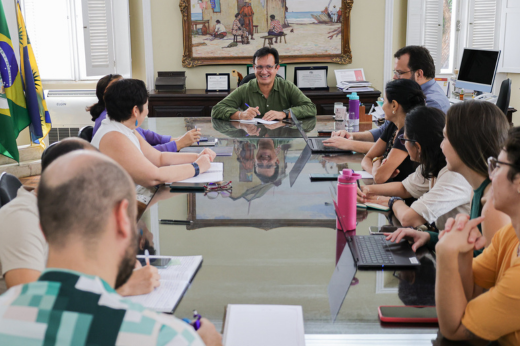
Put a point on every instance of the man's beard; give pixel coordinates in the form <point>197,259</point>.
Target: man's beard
<point>127,265</point>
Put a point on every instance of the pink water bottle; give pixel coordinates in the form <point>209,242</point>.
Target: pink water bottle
<point>347,199</point>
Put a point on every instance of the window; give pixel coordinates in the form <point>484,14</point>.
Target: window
<point>446,27</point>
<point>77,40</point>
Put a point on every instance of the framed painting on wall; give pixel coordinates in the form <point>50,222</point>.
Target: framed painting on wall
<point>231,31</point>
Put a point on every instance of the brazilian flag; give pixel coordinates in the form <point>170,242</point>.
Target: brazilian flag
<point>32,85</point>
<point>13,109</point>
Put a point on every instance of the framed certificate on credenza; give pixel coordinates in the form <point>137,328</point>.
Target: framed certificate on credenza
<point>311,77</point>
<point>217,82</point>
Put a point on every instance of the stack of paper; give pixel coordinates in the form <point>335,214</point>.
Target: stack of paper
<point>174,282</point>
<point>358,86</point>
<point>262,325</point>
<point>257,121</point>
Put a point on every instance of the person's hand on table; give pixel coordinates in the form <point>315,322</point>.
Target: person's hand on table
<point>204,163</point>
<point>274,115</point>
<point>342,134</point>
<point>417,237</point>
<point>190,137</point>
<point>208,333</point>
<point>381,200</point>
<point>142,281</point>
<point>462,240</point>
<point>249,113</point>
<point>337,142</point>
<point>211,154</point>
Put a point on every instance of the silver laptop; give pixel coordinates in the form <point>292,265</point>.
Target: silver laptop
<point>316,144</point>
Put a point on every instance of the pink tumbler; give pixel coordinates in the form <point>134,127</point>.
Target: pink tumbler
<point>347,199</point>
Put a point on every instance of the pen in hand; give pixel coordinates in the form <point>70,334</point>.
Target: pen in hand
<point>198,142</point>
<point>195,324</point>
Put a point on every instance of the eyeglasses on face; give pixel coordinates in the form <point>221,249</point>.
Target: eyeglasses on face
<point>398,73</point>
<point>493,164</point>
<point>267,67</point>
<point>404,140</point>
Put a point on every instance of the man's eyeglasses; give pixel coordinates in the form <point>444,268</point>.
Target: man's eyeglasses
<point>218,188</point>
<point>267,67</point>
<point>398,74</point>
<point>493,164</point>
<point>404,140</point>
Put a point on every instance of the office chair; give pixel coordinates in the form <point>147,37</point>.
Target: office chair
<point>46,150</point>
<point>9,185</point>
<point>504,95</point>
<point>251,76</point>
<point>86,133</point>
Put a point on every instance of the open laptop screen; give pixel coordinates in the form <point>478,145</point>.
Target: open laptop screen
<point>298,125</point>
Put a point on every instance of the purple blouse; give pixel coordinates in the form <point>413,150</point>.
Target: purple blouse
<point>159,142</point>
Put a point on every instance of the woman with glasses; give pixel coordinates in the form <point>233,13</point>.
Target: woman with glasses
<point>478,298</point>
<point>388,159</point>
<point>474,131</point>
<point>440,193</point>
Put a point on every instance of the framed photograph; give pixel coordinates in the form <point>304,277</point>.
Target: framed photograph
<point>282,71</point>
<point>217,82</point>
<point>230,31</point>
<point>311,77</point>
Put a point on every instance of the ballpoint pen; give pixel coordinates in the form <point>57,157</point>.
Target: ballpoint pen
<point>248,106</point>
<point>195,324</point>
<point>175,222</point>
<point>198,143</point>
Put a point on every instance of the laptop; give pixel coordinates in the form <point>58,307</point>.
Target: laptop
<point>374,251</point>
<point>316,144</point>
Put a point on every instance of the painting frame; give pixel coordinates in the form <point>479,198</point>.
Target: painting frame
<point>189,60</point>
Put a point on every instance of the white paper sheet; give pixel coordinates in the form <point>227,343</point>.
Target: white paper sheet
<point>213,174</point>
<point>256,121</point>
<point>174,281</point>
<point>365,175</point>
<point>261,325</point>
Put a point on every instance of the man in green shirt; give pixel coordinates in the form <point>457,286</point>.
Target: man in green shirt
<point>266,96</point>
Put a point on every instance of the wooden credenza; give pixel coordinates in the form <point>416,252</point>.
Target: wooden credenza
<point>198,102</point>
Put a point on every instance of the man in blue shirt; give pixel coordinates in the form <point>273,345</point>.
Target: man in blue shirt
<point>411,62</point>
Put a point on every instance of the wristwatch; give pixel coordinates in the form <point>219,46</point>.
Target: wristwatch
<point>196,166</point>
<point>287,113</point>
<point>392,201</point>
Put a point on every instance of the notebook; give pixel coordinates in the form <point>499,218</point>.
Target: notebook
<point>213,174</point>
<point>175,280</point>
<point>262,325</point>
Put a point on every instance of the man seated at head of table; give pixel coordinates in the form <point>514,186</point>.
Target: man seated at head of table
<point>479,298</point>
<point>87,215</point>
<point>23,249</point>
<point>411,62</point>
<point>265,96</point>
<point>126,101</point>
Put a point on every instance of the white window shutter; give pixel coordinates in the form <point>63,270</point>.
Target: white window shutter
<point>99,37</point>
<point>509,31</point>
<point>482,31</point>
<point>424,27</point>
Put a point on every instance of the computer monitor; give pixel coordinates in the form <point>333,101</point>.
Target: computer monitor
<point>477,69</point>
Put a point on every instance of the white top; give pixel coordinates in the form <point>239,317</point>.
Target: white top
<point>449,195</point>
<point>108,125</point>
<point>219,28</point>
<point>22,245</point>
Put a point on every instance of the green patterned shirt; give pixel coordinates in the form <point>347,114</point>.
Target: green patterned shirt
<point>69,308</point>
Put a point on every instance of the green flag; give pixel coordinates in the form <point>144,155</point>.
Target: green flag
<point>13,109</point>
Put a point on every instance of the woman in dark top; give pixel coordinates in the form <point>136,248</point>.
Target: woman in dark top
<point>388,159</point>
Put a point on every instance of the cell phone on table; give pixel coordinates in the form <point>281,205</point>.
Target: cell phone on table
<point>408,314</point>
<point>324,133</point>
<point>374,230</point>
<point>323,177</point>
<point>203,139</point>
<point>160,263</point>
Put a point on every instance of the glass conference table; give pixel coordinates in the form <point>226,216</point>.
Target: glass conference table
<point>272,239</point>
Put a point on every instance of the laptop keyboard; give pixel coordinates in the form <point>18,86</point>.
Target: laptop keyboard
<point>372,249</point>
<point>318,145</point>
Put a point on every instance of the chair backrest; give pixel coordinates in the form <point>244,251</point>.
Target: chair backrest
<point>504,95</point>
<point>86,133</point>
<point>9,185</point>
<point>251,76</point>
<point>46,150</point>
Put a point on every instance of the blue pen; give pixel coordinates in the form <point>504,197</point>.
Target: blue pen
<point>195,324</point>
<point>248,106</point>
